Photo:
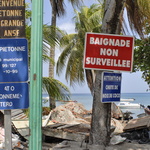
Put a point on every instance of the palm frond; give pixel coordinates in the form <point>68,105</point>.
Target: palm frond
<point>74,69</point>
<point>90,80</point>
<point>68,43</point>
<point>87,20</point>
<point>55,88</point>
<point>48,35</point>
<point>58,7</point>
<point>76,3</point>
<point>48,59</point>
<point>134,16</point>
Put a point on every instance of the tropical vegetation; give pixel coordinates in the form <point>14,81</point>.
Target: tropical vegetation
<point>107,18</point>
<point>72,45</point>
<point>50,85</point>
<point>72,54</point>
<point>142,45</point>
<point>58,10</point>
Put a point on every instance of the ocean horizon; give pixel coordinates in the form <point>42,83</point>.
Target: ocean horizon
<point>86,100</point>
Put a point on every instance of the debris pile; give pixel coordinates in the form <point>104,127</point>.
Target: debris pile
<point>141,136</point>
<point>124,126</point>
<point>70,113</point>
<point>116,112</point>
<point>18,141</point>
<point>15,140</point>
<point>72,122</point>
<point>117,139</point>
<point>118,126</point>
<point>138,130</point>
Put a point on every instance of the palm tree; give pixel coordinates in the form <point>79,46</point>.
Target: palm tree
<point>142,49</point>
<point>144,11</point>
<point>55,88</point>
<point>52,86</point>
<point>57,11</point>
<point>88,20</point>
<point>112,24</point>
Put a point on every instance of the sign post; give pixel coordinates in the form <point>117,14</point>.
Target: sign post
<point>13,60</point>
<point>112,53</point>
<point>35,142</point>
<point>12,25</point>
<point>108,52</point>
<point>14,96</point>
<point>13,81</point>
<point>111,87</point>
<point>8,130</point>
<point>12,18</point>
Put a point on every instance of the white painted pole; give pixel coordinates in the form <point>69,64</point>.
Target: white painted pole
<point>8,129</point>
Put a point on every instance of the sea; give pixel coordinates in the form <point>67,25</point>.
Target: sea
<point>87,100</point>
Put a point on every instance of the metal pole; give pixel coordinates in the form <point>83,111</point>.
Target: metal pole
<point>7,125</point>
<point>35,142</point>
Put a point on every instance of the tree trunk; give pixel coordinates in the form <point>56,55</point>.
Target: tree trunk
<point>52,50</point>
<point>101,116</point>
<point>100,128</point>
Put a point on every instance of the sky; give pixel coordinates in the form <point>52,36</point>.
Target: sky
<point>131,82</point>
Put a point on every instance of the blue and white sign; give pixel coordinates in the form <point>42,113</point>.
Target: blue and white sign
<point>14,96</point>
<point>111,87</point>
<point>13,60</point>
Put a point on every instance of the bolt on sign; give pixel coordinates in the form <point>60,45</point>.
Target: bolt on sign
<point>12,18</point>
<point>108,52</point>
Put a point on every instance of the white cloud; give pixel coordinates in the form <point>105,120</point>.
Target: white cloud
<point>68,27</point>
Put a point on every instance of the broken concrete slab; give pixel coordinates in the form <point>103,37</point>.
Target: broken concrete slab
<point>139,123</point>
<point>76,132</point>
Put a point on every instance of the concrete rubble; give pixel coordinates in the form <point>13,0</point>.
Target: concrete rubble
<point>70,113</point>
<point>71,124</point>
<point>74,113</point>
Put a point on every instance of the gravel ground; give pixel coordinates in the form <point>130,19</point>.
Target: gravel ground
<point>70,145</point>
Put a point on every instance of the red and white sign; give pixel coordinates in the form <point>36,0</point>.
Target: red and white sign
<point>108,52</point>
